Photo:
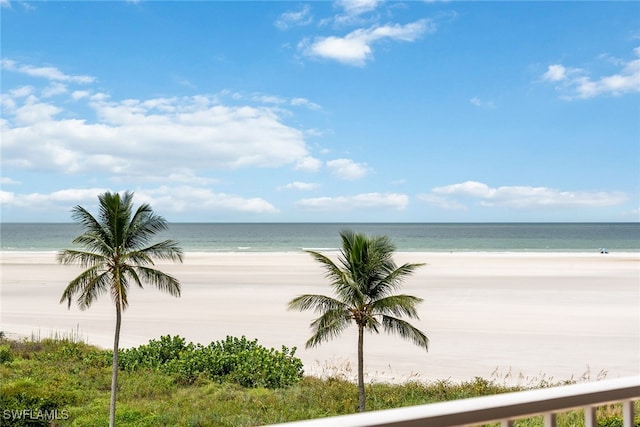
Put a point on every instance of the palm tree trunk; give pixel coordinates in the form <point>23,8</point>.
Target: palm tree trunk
<point>114,369</point>
<point>361,396</point>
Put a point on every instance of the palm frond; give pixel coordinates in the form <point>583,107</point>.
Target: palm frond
<point>332,271</point>
<point>328,326</point>
<point>94,242</point>
<point>364,280</point>
<point>165,250</point>
<point>393,279</point>
<point>87,221</point>
<point>88,285</point>
<point>405,330</point>
<point>115,214</point>
<point>341,280</point>
<point>317,303</point>
<point>158,279</point>
<point>371,324</point>
<point>83,258</point>
<point>116,253</point>
<point>99,285</point>
<point>397,305</point>
<point>143,226</point>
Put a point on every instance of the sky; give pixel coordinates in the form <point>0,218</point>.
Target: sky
<point>344,111</point>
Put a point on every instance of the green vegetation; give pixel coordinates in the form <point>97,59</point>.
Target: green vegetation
<point>67,383</point>
<point>364,283</point>
<point>116,253</point>
<point>235,360</point>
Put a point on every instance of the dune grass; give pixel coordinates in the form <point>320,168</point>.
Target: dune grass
<point>63,381</point>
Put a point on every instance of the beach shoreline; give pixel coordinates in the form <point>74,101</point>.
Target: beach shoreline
<point>521,315</point>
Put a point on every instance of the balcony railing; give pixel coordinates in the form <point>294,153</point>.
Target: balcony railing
<point>503,408</point>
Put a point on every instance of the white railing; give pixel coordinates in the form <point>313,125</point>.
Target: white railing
<point>503,408</point>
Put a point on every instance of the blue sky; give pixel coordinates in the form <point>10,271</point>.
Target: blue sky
<point>357,111</point>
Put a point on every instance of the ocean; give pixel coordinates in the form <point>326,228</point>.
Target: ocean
<point>408,237</point>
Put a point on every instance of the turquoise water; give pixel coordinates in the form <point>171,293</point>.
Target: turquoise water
<point>281,237</point>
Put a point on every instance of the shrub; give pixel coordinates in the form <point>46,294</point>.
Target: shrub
<point>25,402</point>
<point>152,355</point>
<point>237,360</point>
<point>5,354</point>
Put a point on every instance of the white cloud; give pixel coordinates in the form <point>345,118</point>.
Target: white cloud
<point>358,7</point>
<point>292,18</point>
<point>442,202</point>
<point>191,133</point>
<point>55,88</point>
<point>480,103</point>
<point>578,84</point>
<point>8,181</point>
<point>556,73</point>
<point>61,200</point>
<point>348,169</point>
<point>33,113</point>
<point>50,73</point>
<point>309,164</point>
<point>197,201</point>
<point>303,102</point>
<point>299,186</point>
<point>393,201</point>
<point>22,92</point>
<point>268,99</point>
<point>518,197</point>
<point>355,48</point>
<point>79,94</point>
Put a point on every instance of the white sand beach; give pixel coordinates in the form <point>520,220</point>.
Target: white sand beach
<point>528,315</point>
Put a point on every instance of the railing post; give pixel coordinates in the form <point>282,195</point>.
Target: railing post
<point>506,423</point>
<point>627,413</point>
<point>590,419</point>
<point>549,419</point>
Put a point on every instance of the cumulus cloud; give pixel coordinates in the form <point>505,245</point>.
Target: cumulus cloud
<point>348,169</point>
<point>58,200</point>
<point>394,201</point>
<point>355,48</point>
<point>299,186</point>
<point>196,201</point>
<point>308,164</point>
<point>353,10</point>
<point>442,202</point>
<point>178,144</point>
<point>576,83</point>
<point>5,180</point>
<point>557,73</point>
<point>194,133</point>
<point>49,73</point>
<point>55,88</point>
<point>304,102</point>
<point>295,18</point>
<point>357,7</point>
<point>518,197</point>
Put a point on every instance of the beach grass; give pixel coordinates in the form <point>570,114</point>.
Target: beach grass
<point>63,381</point>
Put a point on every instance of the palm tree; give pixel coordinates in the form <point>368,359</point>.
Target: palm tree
<point>364,283</point>
<point>117,253</point>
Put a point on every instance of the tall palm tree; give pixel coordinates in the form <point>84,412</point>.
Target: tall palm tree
<point>364,283</point>
<point>117,253</point>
